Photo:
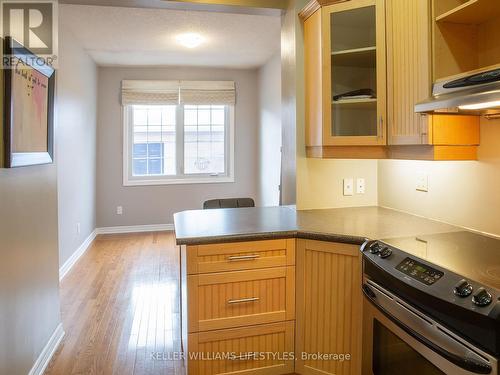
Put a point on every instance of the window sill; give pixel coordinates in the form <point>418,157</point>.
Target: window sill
<point>179,181</point>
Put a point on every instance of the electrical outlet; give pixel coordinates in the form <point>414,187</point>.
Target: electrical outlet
<point>422,182</point>
<point>119,210</point>
<point>360,186</point>
<point>348,186</point>
<point>78,228</point>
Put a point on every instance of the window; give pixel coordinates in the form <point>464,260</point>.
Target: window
<point>204,139</point>
<point>153,140</point>
<point>177,143</point>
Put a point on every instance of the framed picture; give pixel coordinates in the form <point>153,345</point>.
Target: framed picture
<point>28,107</point>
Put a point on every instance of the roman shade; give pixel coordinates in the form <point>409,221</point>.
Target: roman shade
<point>150,92</point>
<point>175,92</point>
<point>207,92</point>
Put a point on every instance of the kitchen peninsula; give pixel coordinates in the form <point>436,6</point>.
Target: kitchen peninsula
<point>277,280</point>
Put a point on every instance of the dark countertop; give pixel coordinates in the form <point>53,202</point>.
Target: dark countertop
<point>347,225</point>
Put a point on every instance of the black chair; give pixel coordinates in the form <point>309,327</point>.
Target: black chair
<point>228,203</point>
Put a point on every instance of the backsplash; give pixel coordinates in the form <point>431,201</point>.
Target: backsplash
<point>459,193</point>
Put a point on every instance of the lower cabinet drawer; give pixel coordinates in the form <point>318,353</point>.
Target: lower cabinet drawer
<point>240,298</point>
<point>258,350</point>
<point>240,256</point>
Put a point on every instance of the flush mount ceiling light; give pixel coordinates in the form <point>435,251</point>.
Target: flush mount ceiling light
<point>190,40</point>
<point>481,105</point>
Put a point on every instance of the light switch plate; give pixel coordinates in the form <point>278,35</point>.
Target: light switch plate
<point>348,186</point>
<point>360,186</point>
<point>119,210</point>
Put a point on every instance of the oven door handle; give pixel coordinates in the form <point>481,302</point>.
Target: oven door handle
<point>375,293</point>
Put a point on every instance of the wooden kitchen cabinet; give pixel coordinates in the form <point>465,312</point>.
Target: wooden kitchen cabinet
<point>248,350</point>
<point>345,51</point>
<point>235,256</point>
<point>409,80</point>
<point>409,69</point>
<point>329,307</point>
<point>424,42</point>
<point>466,37</point>
<point>241,298</point>
<point>238,298</point>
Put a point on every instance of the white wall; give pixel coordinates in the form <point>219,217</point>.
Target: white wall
<point>464,193</point>
<point>270,131</point>
<point>76,143</point>
<point>156,204</point>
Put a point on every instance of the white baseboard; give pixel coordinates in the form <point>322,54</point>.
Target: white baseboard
<point>48,351</point>
<point>136,229</point>
<point>76,255</point>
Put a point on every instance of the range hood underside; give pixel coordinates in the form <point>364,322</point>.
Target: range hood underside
<point>450,102</point>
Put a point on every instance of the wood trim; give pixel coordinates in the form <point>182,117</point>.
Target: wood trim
<point>326,78</point>
<point>300,295</point>
<point>313,57</point>
<point>192,303</point>
<point>454,130</point>
<point>347,152</point>
<point>310,8</point>
<point>455,153</point>
<point>192,260</point>
<point>340,6</point>
<point>442,153</point>
<point>314,5</point>
<point>241,247</point>
<point>290,293</point>
<point>274,4</point>
<point>242,321</point>
<point>381,72</point>
<point>238,276</point>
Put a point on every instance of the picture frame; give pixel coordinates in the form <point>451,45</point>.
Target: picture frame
<point>28,107</point>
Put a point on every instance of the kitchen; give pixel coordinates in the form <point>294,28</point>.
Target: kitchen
<point>421,296</point>
<point>257,187</point>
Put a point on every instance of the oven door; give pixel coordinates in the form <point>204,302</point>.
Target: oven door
<point>400,340</point>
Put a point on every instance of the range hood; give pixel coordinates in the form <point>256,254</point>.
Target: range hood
<point>477,94</point>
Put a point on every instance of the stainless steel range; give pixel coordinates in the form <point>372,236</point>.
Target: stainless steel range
<point>432,305</point>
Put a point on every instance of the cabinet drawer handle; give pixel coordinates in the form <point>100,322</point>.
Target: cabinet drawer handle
<point>244,357</point>
<point>381,128</point>
<point>237,258</point>
<point>243,300</point>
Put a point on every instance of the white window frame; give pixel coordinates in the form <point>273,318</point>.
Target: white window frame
<point>128,143</point>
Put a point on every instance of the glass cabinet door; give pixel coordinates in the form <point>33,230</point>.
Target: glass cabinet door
<point>357,91</point>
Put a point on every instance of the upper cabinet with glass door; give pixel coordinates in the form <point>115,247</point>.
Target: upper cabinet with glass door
<point>345,77</point>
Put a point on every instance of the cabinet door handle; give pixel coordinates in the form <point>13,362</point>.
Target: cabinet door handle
<point>242,300</point>
<point>237,258</point>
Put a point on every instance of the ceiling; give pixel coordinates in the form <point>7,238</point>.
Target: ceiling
<point>118,36</point>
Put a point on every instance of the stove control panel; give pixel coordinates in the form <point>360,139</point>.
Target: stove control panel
<point>419,271</point>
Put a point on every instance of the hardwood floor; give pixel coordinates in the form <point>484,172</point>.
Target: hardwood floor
<point>120,308</point>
